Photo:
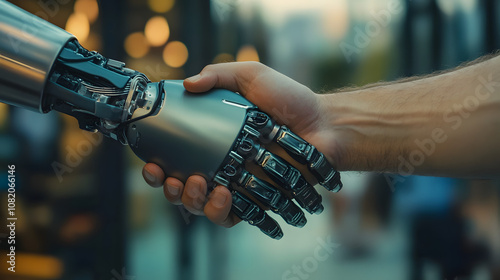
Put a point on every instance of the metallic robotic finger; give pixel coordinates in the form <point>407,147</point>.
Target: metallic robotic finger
<point>213,134</point>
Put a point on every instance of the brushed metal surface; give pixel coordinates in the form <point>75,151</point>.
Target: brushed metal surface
<point>29,46</point>
<point>193,133</point>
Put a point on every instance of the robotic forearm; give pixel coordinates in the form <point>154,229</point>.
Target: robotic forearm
<point>43,68</point>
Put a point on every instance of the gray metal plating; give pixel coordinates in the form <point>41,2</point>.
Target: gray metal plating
<point>28,48</point>
<point>192,133</point>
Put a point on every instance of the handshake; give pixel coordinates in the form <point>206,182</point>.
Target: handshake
<point>215,135</point>
<point>246,178</point>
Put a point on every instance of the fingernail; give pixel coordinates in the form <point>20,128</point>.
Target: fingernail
<point>172,189</point>
<point>219,199</point>
<point>193,189</point>
<point>194,78</point>
<point>149,176</point>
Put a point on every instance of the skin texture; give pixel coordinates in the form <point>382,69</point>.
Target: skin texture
<point>444,125</point>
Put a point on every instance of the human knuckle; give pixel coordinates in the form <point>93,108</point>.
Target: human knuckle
<point>255,64</point>
<point>208,68</point>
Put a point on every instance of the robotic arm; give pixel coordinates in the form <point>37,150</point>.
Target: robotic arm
<point>44,68</point>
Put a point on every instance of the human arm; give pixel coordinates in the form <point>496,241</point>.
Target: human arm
<point>441,125</point>
<point>372,129</point>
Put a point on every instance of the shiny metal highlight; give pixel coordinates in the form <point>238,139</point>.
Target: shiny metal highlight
<point>192,134</point>
<point>28,48</point>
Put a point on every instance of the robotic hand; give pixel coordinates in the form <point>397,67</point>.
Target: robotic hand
<point>44,68</point>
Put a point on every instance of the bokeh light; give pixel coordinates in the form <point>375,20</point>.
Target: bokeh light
<point>223,57</point>
<point>90,8</point>
<point>175,54</point>
<point>136,45</point>
<point>447,7</point>
<point>336,20</point>
<point>4,114</point>
<point>451,7</point>
<point>468,5</point>
<point>157,31</point>
<point>93,42</point>
<point>247,53</point>
<point>161,6</point>
<point>78,25</point>
<point>35,266</point>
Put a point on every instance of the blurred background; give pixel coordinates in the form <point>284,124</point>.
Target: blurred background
<point>84,211</point>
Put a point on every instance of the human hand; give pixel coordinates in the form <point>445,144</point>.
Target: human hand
<point>287,101</point>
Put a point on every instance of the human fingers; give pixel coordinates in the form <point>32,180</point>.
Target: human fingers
<point>232,76</point>
<point>173,189</point>
<point>153,175</point>
<point>194,194</point>
<point>218,208</point>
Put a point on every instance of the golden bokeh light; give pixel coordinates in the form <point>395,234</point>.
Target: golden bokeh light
<point>78,25</point>
<point>136,45</point>
<point>223,57</point>
<point>161,6</point>
<point>175,54</point>
<point>157,31</point>
<point>93,42</point>
<point>35,266</point>
<point>247,53</point>
<point>336,19</point>
<point>90,8</point>
<point>4,114</point>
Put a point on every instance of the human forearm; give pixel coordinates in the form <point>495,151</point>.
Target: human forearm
<point>423,126</point>
<point>442,125</point>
